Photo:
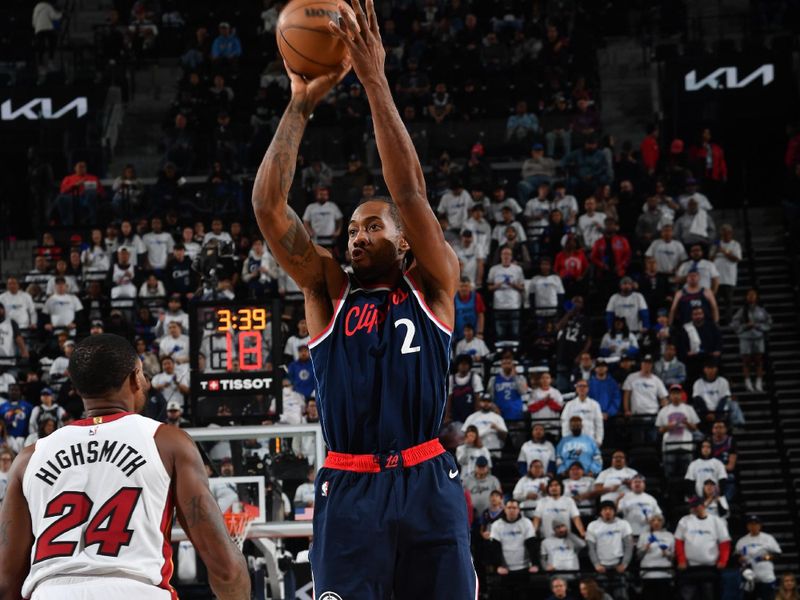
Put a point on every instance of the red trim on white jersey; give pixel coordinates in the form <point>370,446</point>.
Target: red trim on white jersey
<point>166,530</point>
<point>99,420</point>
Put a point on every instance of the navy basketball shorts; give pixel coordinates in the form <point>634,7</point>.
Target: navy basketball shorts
<point>391,527</point>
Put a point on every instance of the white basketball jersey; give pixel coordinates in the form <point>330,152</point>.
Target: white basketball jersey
<point>100,503</point>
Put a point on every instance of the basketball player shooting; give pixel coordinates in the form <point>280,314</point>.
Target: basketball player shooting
<point>389,514</point>
<point>89,508</point>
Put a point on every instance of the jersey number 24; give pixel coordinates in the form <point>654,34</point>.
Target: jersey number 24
<point>75,509</point>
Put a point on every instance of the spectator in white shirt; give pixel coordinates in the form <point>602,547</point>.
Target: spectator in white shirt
<point>490,424</point>
<point>513,548</point>
<point>190,245</point>
<point>175,345</point>
<point>159,245</point>
<point>469,259</point>
<point>709,275</point>
<point>668,252</point>
<point>591,224</point>
<point>656,549</point>
<point>217,233</point>
<point>757,551</point>
<point>560,552</point>
<point>19,305</point>
<point>507,282</point>
<point>556,507</point>
<point>711,394</point>
<point>705,467</point>
<point>322,218</point>
<point>629,305</point>
<point>580,487</point>
<point>61,271</point>
<point>619,342</point>
<point>455,204</point>
<point>122,275</point>
<point>506,221</point>
<point>531,487</point>
<point>472,346</point>
<point>587,409</point>
<point>173,387</point>
<point>61,307</point>
<point>611,548</point>
<point>481,229</point>
<point>537,448</point>
<point>58,370</point>
<point>643,395</point>
<point>499,202</point>
<point>716,503</point>
<point>695,226</point>
<point>676,421</point>
<point>637,507</point>
<point>726,254</point>
<point>547,290</point>
<point>701,540</point>
<point>174,312</point>
<point>152,287</point>
<point>468,452</point>
<point>305,493</point>
<point>301,338</point>
<point>614,482</point>
<point>96,259</point>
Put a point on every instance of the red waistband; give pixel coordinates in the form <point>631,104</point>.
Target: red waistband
<point>375,463</point>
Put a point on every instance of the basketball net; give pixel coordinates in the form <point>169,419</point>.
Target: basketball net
<point>237,522</point>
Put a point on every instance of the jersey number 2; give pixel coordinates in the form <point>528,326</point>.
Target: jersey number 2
<point>411,329</point>
<point>108,528</point>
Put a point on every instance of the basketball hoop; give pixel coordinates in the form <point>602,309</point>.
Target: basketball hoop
<point>238,524</point>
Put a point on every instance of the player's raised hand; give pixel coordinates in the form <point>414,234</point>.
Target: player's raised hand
<point>308,92</point>
<point>359,32</point>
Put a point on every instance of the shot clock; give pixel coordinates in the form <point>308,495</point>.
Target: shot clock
<point>231,350</point>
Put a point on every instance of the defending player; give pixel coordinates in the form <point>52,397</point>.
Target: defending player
<point>89,508</point>
<point>390,518</point>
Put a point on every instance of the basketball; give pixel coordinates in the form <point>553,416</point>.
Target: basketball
<point>305,42</point>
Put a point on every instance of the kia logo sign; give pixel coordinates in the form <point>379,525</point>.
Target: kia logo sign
<point>42,109</point>
<point>727,78</point>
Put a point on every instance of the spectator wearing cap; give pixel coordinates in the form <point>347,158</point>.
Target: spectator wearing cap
<point>175,415</point>
<point>630,305</point>
<point>677,421</point>
<point>656,550</point>
<point>757,551</point>
<point>531,487</point>
<point>716,504</point>
<point>578,447</point>
<point>637,507</point>
<point>536,170</point>
<point>587,409</point>
<point>698,341</point>
<point>711,394</point>
<point>537,448</point>
<point>704,467</point>
<point>455,204</point>
<point>96,327</point>
<point>605,390</point>
<point>472,346</point>
<point>226,47</point>
<point>480,484</point>
<point>491,514</point>
<point>322,218</point>
<point>560,552</point>
<point>173,386</point>
<point>47,409</point>
<point>695,226</point>
<point>469,259</point>
<point>580,487</point>
<point>611,544</point>
<point>702,542</point>
<point>499,201</point>
<point>751,323</point>
<point>491,426</point>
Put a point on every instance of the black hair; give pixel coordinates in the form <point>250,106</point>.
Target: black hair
<point>100,364</point>
<point>398,221</point>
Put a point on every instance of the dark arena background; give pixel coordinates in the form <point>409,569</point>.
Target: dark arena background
<point>620,181</point>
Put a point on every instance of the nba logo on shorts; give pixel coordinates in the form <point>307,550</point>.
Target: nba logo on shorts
<point>330,596</point>
<point>325,487</point>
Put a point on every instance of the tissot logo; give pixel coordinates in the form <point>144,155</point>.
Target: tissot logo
<point>42,109</point>
<point>727,78</point>
<point>237,384</point>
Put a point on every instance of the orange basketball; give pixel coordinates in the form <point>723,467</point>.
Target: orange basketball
<point>305,42</point>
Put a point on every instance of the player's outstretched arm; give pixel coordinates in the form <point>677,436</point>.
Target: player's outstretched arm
<point>401,167</point>
<point>16,535</point>
<point>201,518</point>
<point>283,229</point>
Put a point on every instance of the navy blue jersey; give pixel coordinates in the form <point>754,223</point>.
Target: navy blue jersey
<point>381,369</point>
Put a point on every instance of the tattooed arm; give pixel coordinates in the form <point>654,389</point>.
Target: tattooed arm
<point>312,267</point>
<point>16,536</point>
<point>200,516</point>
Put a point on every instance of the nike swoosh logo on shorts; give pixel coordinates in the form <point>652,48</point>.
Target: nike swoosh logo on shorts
<point>452,474</point>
